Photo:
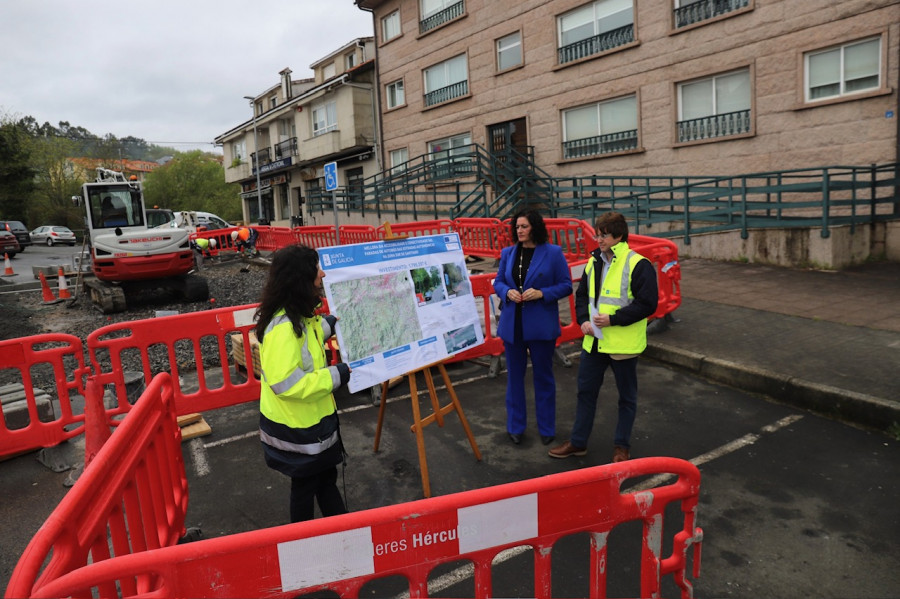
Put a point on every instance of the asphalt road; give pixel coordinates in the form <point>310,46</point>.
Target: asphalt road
<point>792,504</point>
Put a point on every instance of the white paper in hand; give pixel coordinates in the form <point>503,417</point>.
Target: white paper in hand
<point>592,310</point>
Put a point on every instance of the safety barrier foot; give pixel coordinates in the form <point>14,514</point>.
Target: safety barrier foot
<point>562,358</point>
<point>52,458</point>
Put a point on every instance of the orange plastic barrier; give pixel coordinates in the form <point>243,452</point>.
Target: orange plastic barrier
<point>131,498</point>
<point>342,554</point>
<point>208,336</point>
<point>29,419</point>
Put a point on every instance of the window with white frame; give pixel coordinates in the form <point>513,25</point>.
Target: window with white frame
<point>689,12</point>
<point>399,158</point>
<point>843,71</point>
<point>390,26</point>
<point>716,106</point>
<point>395,94</point>
<point>509,51</point>
<point>328,71</point>
<point>447,80</point>
<point>437,12</point>
<point>594,28</point>
<point>601,128</point>
<point>350,60</point>
<point>273,101</point>
<point>450,157</point>
<point>238,150</point>
<point>324,117</point>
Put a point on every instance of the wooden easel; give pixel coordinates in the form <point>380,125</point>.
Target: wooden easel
<point>438,411</point>
<point>437,415</point>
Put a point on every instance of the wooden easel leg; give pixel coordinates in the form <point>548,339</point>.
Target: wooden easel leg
<point>420,438</point>
<point>458,407</point>
<point>432,392</point>
<point>384,390</point>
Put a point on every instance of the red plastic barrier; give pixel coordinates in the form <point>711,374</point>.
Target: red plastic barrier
<point>483,237</point>
<point>341,554</point>
<point>315,237</point>
<point>35,423</point>
<point>419,228</point>
<point>272,238</point>
<point>131,498</point>
<point>358,234</point>
<point>208,336</point>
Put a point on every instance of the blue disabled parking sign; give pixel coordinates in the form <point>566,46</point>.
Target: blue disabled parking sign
<point>331,176</point>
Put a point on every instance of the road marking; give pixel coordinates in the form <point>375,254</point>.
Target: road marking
<point>199,457</point>
<point>463,573</point>
<point>231,439</point>
<point>457,576</point>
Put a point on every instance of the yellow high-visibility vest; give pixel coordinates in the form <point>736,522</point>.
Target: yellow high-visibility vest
<point>615,293</point>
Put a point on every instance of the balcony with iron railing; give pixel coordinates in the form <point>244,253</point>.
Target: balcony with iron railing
<point>717,125</point>
<point>601,144</point>
<point>596,44</point>
<point>703,10</point>
<point>445,94</point>
<point>261,158</point>
<point>286,148</point>
<point>445,16</point>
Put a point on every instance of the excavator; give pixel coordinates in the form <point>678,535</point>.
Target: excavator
<point>128,257</point>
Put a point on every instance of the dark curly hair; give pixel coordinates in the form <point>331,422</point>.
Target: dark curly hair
<point>538,228</point>
<point>290,285</point>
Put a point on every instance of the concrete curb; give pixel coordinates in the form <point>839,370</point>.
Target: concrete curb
<point>841,404</point>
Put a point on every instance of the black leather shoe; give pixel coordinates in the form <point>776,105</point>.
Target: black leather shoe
<point>515,438</point>
<point>547,439</point>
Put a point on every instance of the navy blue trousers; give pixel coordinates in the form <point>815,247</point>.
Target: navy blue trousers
<point>544,386</point>
<point>590,378</point>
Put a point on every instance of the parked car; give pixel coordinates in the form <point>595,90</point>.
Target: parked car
<point>52,234</point>
<point>9,245</point>
<point>19,230</point>
<point>159,216</point>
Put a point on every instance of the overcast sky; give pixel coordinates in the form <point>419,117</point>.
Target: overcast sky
<point>172,72</point>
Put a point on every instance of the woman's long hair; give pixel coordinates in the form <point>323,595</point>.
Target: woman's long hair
<point>538,228</point>
<point>290,285</point>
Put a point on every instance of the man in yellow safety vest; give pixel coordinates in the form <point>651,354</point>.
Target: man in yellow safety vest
<point>617,293</point>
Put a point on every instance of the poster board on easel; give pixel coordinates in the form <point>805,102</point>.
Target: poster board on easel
<point>403,303</point>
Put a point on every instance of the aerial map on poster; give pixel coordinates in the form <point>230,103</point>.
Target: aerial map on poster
<point>402,304</point>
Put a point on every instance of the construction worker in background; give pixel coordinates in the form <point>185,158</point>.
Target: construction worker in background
<point>202,247</point>
<point>245,238</point>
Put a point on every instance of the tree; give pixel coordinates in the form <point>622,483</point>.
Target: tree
<point>16,169</point>
<point>193,181</point>
<point>55,184</point>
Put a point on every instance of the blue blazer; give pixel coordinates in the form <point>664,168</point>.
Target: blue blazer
<point>548,272</point>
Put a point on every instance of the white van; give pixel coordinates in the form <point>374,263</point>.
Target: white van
<point>199,220</point>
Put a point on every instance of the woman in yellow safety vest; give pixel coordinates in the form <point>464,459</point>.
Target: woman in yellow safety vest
<point>298,422</point>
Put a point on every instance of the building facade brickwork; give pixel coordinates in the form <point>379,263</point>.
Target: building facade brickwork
<point>662,87</point>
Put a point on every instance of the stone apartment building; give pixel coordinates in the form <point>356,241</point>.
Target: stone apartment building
<point>297,127</point>
<point>662,87</point>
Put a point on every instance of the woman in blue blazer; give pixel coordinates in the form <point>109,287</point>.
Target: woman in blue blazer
<point>532,278</point>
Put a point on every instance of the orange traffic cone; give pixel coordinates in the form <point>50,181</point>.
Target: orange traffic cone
<point>96,428</point>
<point>63,286</point>
<point>7,267</point>
<point>47,294</point>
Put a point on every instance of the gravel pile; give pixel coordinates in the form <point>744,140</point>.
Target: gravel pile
<point>232,282</point>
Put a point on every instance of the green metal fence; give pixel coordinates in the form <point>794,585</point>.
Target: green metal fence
<point>472,182</point>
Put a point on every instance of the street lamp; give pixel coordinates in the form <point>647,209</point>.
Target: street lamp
<point>256,159</point>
